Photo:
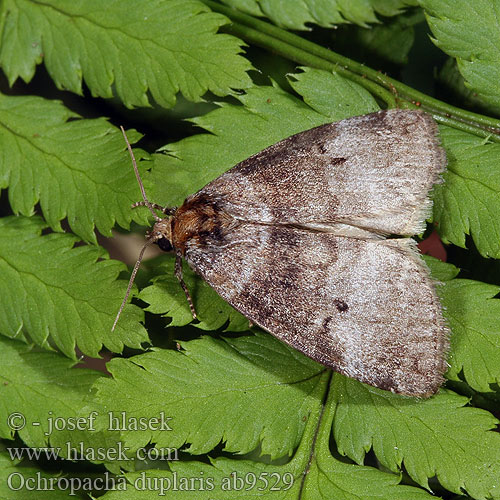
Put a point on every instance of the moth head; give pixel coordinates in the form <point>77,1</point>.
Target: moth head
<point>161,233</point>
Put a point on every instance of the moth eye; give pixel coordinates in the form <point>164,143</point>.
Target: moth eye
<point>165,244</point>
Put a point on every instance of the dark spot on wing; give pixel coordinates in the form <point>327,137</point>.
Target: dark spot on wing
<point>212,236</point>
<point>417,368</point>
<point>380,120</point>
<point>269,156</point>
<point>254,304</point>
<point>279,239</point>
<point>386,383</point>
<point>326,323</point>
<point>321,148</point>
<point>340,305</point>
<point>337,161</point>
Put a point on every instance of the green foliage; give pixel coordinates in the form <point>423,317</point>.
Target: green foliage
<point>391,41</point>
<point>450,77</point>
<point>34,381</point>
<point>469,199</point>
<point>165,296</point>
<point>398,430</point>
<point>468,31</point>
<point>244,415</point>
<point>56,294</point>
<point>211,375</point>
<point>295,14</point>
<point>11,475</point>
<point>474,316</point>
<point>128,47</point>
<point>72,167</point>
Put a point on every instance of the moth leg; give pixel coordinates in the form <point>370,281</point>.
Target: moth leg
<point>165,210</point>
<point>178,275</point>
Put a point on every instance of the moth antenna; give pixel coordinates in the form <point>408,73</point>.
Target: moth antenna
<point>131,281</point>
<point>165,210</point>
<point>139,180</point>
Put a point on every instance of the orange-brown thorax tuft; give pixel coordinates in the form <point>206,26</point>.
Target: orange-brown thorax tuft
<point>200,220</point>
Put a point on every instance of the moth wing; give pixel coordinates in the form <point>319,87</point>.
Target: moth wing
<point>366,308</point>
<point>372,172</point>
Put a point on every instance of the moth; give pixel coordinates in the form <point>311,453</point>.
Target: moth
<point>309,239</point>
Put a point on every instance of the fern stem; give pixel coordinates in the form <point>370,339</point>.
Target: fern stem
<point>304,57</point>
<point>390,91</point>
